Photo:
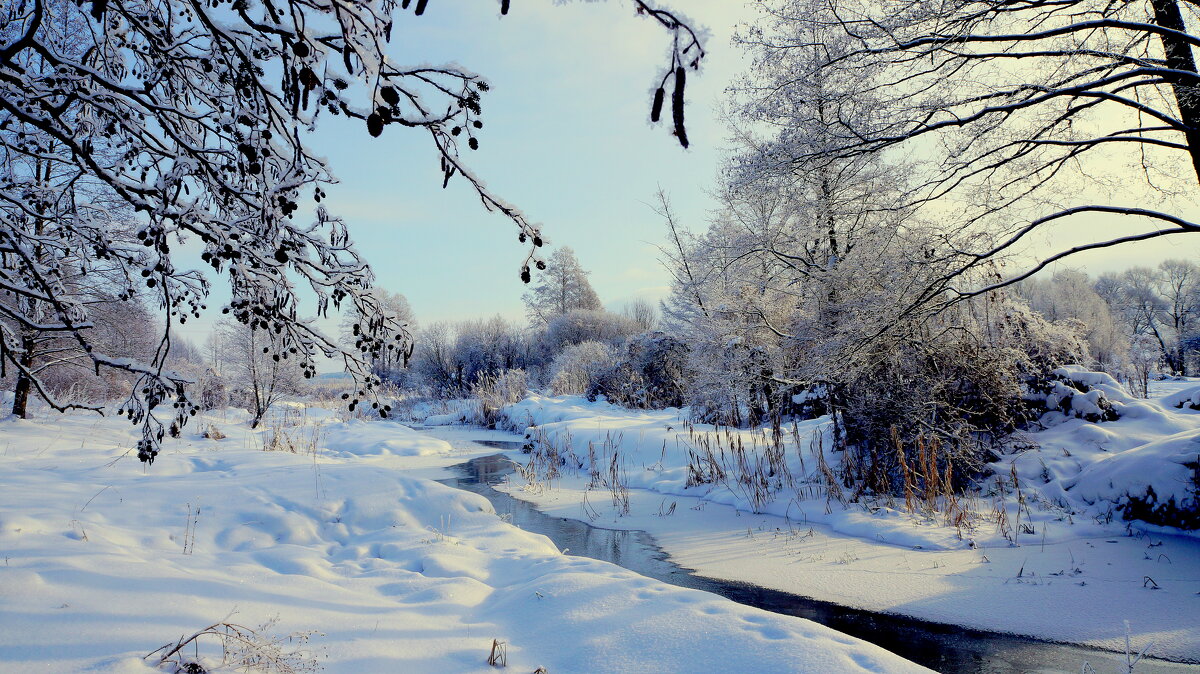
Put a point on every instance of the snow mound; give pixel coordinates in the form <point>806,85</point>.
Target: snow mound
<point>1158,482</point>
<point>375,438</point>
<point>1188,398</point>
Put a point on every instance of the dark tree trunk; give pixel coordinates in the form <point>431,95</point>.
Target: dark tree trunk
<point>1178,54</point>
<point>20,406</point>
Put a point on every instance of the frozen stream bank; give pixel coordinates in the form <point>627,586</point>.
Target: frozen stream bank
<point>945,648</point>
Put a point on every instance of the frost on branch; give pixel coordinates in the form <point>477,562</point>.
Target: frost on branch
<point>131,127</point>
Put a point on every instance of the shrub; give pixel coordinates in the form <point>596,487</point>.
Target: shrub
<point>494,392</point>
<point>574,369</point>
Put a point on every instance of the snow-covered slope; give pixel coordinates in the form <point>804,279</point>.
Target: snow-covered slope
<point>105,561</point>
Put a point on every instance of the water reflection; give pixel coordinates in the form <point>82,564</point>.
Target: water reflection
<point>944,648</point>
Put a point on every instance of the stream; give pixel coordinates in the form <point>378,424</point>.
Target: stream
<point>941,647</point>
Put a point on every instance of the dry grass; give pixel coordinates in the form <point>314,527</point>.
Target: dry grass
<point>239,648</point>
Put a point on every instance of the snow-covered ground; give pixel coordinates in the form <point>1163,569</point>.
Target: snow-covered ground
<point>105,561</point>
<point>1048,557</point>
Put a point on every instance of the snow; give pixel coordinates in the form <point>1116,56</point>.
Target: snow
<point>1064,567</point>
<point>106,561</point>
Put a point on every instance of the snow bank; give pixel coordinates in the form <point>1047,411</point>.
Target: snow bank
<point>1188,398</point>
<point>379,438</point>
<point>1158,482</point>
<point>106,561</point>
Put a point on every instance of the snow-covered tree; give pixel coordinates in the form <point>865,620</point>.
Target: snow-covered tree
<point>194,118</point>
<point>258,377</point>
<point>1072,295</point>
<point>1020,115</point>
<point>389,362</point>
<point>820,288</point>
<point>562,286</point>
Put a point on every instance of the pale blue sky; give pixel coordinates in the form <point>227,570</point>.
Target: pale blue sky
<point>567,139</point>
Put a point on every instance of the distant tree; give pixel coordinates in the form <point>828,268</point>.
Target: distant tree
<point>563,286</point>
<point>642,313</point>
<point>434,361</point>
<point>193,116</point>
<point>1071,295</point>
<point>257,374</point>
<point>392,358</point>
<point>1179,287</point>
<point>1161,303</point>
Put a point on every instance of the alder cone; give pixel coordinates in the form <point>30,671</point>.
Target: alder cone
<point>656,108</point>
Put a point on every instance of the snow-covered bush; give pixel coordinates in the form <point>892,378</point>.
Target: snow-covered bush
<point>957,382</point>
<point>652,374</point>
<point>1075,393</point>
<point>574,369</point>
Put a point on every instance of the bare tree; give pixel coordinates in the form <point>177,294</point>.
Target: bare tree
<point>193,116</point>
<point>258,375</point>
<point>642,313</point>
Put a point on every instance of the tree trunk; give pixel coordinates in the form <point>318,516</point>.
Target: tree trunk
<point>20,406</point>
<point>1179,57</point>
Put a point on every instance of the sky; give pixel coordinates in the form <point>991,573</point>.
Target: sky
<point>567,139</point>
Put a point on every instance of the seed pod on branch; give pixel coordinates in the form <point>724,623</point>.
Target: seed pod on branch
<point>656,107</point>
<point>677,105</point>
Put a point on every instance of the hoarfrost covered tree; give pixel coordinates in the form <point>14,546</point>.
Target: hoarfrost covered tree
<point>258,377</point>
<point>389,362</point>
<point>193,116</point>
<point>1021,112</point>
<point>802,294</point>
<point>562,286</point>
<point>1070,295</point>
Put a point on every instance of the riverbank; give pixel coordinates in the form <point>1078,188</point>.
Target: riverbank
<point>1065,578</point>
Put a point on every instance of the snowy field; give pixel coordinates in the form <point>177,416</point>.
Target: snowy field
<point>334,551</point>
<point>1049,557</point>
